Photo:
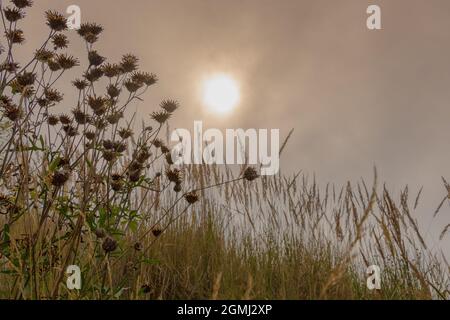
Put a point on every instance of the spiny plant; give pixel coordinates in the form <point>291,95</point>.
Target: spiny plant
<point>69,177</point>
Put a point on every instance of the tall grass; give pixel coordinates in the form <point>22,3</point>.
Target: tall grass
<point>87,189</point>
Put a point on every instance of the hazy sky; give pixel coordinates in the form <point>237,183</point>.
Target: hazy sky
<point>356,98</point>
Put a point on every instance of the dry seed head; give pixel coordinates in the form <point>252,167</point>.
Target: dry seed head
<point>120,146</point>
<point>80,84</point>
<point>174,175</point>
<point>114,117</point>
<point>60,41</point>
<point>90,31</point>
<point>169,105</point>
<point>56,21</point>
<point>53,95</point>
<point>26,79</point>
<point>60,177</point>
<point>160,116</point>
<point>43,55</point>
<point>113,91</point>
<point>134,176</point>
<point>125,133</point>
<point>22,3</point>
<point>90,135</point>
<point>177,187</point>
<point>13,112</point>
<point>95,59</point>
<point>80,116</point>
<point>109,245</point>
<point>65,119</point>
<point>93,74</point>
<point>111,70</point>
<point>13,14</point>
<point>66,62</point>
<point>53,65</point>
<point>52,120</point>
<point>100,233</point>
<point>70,130</point>
<point>191,197</point>
<point>156,231</point>
<point>10,67</point>
<point>15,36</point>
<point>108,144</point>
<point>250,174</point>
<point>129,63</point>
<point>132,86</point>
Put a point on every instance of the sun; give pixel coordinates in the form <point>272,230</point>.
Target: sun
<point>220,93</point>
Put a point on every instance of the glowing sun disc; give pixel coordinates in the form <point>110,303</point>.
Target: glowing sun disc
<point>220,93</point>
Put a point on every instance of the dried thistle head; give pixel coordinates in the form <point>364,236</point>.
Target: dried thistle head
<point>138,246</point>
<point>53,65</point>
<point>114,117</point>
<point>129,63</point>
<point>99,123</point>
<point>160,116</point>
<point>111,70</point>
<point>13,112</point>
<point>56,21</point>
<point>109,245</point>
<point>191,197</point>
<point>174,175</point>
<point>52,120</point>
<point>22,3</point>
<point>125,133</point>
<point>96,102</point>
<point>132,86</point>
<point>66,61</point>
<point>158,143</point>
<point>80,84</point>
<point>60,41</point>
<point>119,146</point>
<point>100,233</point>
<point>108,144</point>
<point>15,36</point>
<point>70,130</point>
<point>13,14</point>
<point>53,95</point>
<point>80,116</point>
<point>177,187</point>
<point>113,91</point>
<point>65,119</point>
<point>165,149</point>
<point>17,88</point>
<point>135,166</point>
<point>26,79</point>
<point>90,31</point>
<point>109,155</point>
<point>60,177</point>
<point>43,55</point>
<point>144,78</point>
<point>117,185</point>
<point>90,135</point>
<point>93,74</point>
<point>156,231</point>
<point>143,155</point>
<point>10,67</point>
<point>169,105</point>
<point>250,174</point>
<point>95,59</point>
<point>134,176</point>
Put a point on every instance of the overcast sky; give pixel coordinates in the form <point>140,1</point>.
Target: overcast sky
<point>356,98</point>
